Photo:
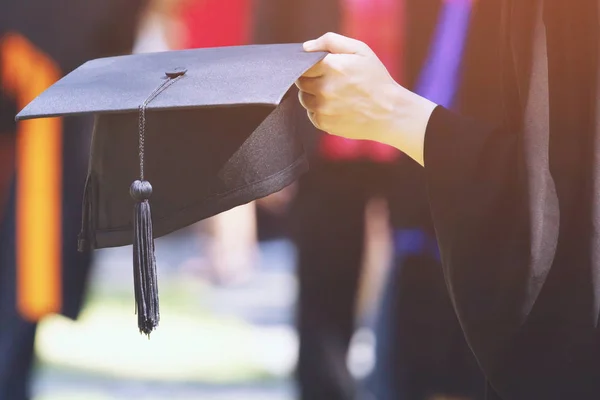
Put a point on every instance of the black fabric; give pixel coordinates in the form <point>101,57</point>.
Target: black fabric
<point>69,32</point>
<point>429,353</point>
<point>221,135</point>
<point>328,228</point>
<point>481,73</point>
<point>72,31</point>
<point>16,335</point>
<point>7,123</point>
<point>515,211</point>
<point>194,176</point>
<point>490,394</point>
<point>76,265</point>
<point>69,37</point>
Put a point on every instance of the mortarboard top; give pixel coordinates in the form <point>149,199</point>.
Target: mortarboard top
<point>209,129</point>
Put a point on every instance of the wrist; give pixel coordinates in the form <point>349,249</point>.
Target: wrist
<point>409,118</point>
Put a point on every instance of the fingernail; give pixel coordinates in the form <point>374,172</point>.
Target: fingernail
<point>309,45</point>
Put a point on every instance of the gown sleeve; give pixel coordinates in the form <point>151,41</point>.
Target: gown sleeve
<point>479,194</point>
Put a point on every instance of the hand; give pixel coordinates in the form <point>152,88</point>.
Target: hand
<point>351,94</point>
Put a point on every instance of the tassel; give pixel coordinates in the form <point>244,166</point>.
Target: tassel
<point>83,239</point>
<point>144,261</point>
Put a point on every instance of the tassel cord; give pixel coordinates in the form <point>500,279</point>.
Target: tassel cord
<point>144,261</point>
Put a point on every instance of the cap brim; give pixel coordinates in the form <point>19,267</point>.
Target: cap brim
<point>215,77</point>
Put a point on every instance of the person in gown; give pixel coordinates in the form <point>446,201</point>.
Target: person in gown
<point>43,166</point>
<point>514,198</point>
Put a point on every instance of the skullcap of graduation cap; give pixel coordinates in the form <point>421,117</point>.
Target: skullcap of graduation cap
<point>188,133</point>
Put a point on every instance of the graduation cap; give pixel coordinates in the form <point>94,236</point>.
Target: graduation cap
<point>192,132</point>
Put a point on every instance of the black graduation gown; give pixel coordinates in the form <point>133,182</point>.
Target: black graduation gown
<point>516,207</point>
<point>65,34</point>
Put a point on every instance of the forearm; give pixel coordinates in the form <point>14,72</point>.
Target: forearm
<point>410,114</point>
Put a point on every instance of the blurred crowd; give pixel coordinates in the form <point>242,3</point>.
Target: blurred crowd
<point>359,219</point>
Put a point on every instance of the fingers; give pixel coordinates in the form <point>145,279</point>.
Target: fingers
<point>308,101</point>
<point>336,44</point>
<point>310,85</point>
<point>332,63</point>
<point>314,110</point>
<point>312,99</point>
<point>317,114</point>
<point>321,121</point>
<point>316,71</point>
<point>313,119</point>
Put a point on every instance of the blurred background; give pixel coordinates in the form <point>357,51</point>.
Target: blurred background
<point>330,289</point>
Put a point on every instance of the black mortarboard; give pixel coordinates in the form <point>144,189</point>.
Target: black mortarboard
<point>211,129</point>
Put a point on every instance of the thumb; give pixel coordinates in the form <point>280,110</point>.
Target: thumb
<point>336,44</point>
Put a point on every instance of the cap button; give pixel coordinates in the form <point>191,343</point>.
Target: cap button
<point>175,72</point>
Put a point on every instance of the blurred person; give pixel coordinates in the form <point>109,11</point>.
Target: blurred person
<point>420,349</point>
<point>43,166</point>
<point>512,186</point>
<point>329,219</point>
<point>160,28</point>
<point>232,250</point>
<point>272,214</point>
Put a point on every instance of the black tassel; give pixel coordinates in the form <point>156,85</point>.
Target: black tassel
<point>83,242</point>
<point>144,261</point>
